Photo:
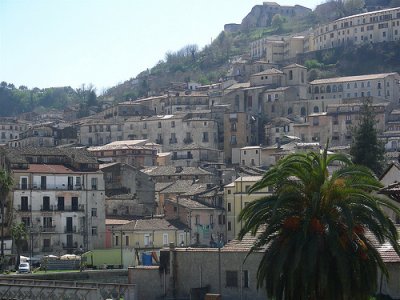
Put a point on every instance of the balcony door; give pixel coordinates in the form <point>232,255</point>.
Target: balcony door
<point>46,203</point>
<point>43,182</point>
<point>69,224</point>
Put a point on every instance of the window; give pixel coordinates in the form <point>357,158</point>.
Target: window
<point>94,230</point>
<point>211,219</point>
<point>173,124</point>
<point>165,239</point>
<point>24,183</point>
<point>94,212</point>
<point>247,188</point>
<point>94,183</point>
<point>147,240</point>
<point>231,278</point>
<point>127,240</point>
<point>26,221</point>
<point>246,278</point>
<point>229,226</point>
<point>24,203</point>
<point>197,220</point>
<point>116,240</point>
<point>60,203</point>
<point>47,222</point>
<point>159,124</point>
<point>205,137</point>
<point>46,203</point>
<point>181,239</point>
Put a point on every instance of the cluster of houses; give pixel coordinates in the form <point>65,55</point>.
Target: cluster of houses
<point>175,169</point>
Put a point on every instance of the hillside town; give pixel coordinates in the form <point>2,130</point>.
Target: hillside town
<point>160,181</point>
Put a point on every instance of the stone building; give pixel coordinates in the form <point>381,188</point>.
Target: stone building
<point>10,129</point>
<point>372,27</point>
<point>59,196</point>
<point>129,192</point>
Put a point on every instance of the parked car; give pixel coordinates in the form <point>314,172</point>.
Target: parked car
<point>24,268</point>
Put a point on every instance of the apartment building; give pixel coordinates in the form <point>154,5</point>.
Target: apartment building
<point>206,223</point>
<point>59,196</point>
<point>129,192</point>
<point>98,131</point>
<point>138,153</point>
<point>195,156</point>
<point>384,86</point>
<point>373,27</point>
<point>236,198</point>
<point>337,123</point>
<point>149,234</point>
<point>174,131</point>
<point>10,129</point>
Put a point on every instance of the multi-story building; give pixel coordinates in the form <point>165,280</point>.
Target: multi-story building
<point>129,192</point>
<point>372,27</point>
<point>59,196</point>
<point>236,198</point>
<point>137,153</point>
<point>337,123</point>
<point>10,129</point>
<point>195,156</point>
<point>174,131</point>
<point>383,87</point>
<point>206,223</point>
<point>149,234</point>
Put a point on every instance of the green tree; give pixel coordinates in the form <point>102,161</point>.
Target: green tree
<point>277,21</point>
<point>314,229</point>
<point>353,7</point>
<point>6,183</point>
<point>20,236</point>
<point>365,149</point>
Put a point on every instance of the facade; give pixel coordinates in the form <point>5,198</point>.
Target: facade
<point>149,234</point>
<point>206,223</point>
<point>195,156</point>
<point>236,197</point>
<point>10,129</point>
<point>129,192</point>
<point>372,27</point>
<point>382,87</point>
<point>59,196</point>
<point>137,153</point>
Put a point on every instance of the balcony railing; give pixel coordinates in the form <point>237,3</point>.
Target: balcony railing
<point>68,229</point>
<point>73,245</point>
<point>177,157</point>
<point>188,140</point>
<point>24,207</point>
<point>80,207</point>
<point>63,187</point>
<point>48,228</point>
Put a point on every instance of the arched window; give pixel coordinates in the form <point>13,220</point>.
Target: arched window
<point>316,109</point>
<point>334,88</point>
<point>328,88</point>
<point>309,90</point>
<point>322,90</point>
<point>290,75</point>
<point>340,88</point>
<point>303,111</point>
<point>289,111</point>
<point>316,90</point>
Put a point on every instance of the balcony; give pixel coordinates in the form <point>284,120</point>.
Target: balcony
<point>62,187</point>
<point>69,229</point>
<point>188,140</point>
<point>51,208</point>
<point>50,229</point>
<point>186,156</point>
<point>173,141</point>
<point>24,207</point>
<point>67,246</point>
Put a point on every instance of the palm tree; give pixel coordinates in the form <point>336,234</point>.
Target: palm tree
<point>316,229</point>
<point>6,183</point>
<point>20,236</point>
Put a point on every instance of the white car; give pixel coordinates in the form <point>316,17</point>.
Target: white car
<point>24,268</point>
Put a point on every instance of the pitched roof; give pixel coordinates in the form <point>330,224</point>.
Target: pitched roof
<point>175,171</point>
<point>271,71</point>
<point>189,203</point>
<point>351,78</point>
<point>147,224</point>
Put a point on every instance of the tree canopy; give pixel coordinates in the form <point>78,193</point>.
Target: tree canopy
<point>365,149</point>
<point>315,228</point>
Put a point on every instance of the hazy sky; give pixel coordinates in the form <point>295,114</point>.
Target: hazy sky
<point>45,43</point>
